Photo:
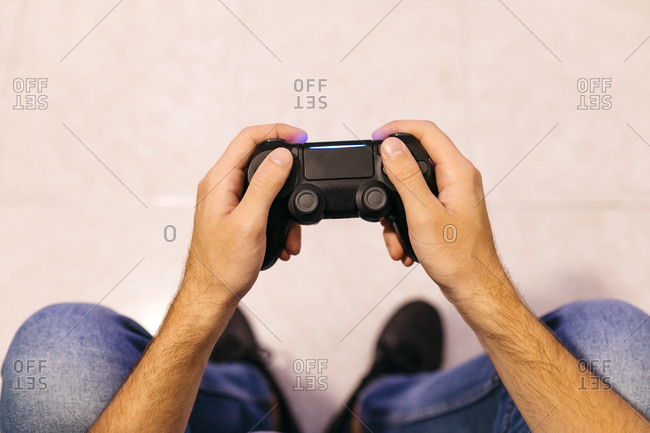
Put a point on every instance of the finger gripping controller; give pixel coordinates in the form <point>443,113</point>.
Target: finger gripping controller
<point>338,179</point>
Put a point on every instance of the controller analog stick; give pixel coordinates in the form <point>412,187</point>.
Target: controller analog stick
<point>255,163</point>
<point>306,202</point>
<point>375,198</point>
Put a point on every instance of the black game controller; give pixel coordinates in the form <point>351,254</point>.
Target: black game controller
<point>338,179</point>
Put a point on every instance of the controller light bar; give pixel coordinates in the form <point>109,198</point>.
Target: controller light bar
<point>337,146</point>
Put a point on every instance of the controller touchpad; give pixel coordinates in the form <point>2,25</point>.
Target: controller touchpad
<point>324,162</point>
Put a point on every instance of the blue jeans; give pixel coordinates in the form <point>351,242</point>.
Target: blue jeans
<point>58,380</point>
<point>60,373</point>
<point>471,398</point>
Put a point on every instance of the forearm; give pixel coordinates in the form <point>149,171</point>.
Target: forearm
<point>159,393</point>
<point>226,254</point>
<point>541,376</point>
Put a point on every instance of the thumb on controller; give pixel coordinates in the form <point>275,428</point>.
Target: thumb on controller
<point>404,172</point>
<point>266,184</point>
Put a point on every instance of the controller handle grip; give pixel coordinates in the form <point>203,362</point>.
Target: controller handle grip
<point>401,230</point>
<point>279,219</point>
<point>398,214</point>
<point>277,232</point>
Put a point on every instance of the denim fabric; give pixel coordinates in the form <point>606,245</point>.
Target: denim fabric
<point>61,371</point>
<point>471,397</point>
<point>81,371</point>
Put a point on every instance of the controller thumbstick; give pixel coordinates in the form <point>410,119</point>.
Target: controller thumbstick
<point>375,199</point>
<point>255,163</point>
<point>306,202</point>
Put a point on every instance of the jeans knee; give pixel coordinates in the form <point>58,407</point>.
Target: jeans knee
<point>610,338</point>
<point>75,322</point>
<point>601,306</point>
<point>63,319</point>
<point>605,321</point>
<point>65,363</point>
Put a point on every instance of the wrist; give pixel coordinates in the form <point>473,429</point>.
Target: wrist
<point>200,318</point>
<point>485,295</point>
<point>203,305</point>
<point>497,317</point>
<point>205,295</point>
<point>204,286</point>
<point>206,291</point>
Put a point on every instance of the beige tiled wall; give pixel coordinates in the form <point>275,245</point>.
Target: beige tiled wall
<point>158,88</point>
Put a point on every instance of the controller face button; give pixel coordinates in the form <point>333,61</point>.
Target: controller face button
<point>375,198</point>
<point>424,166</point>
<point>306,202</point>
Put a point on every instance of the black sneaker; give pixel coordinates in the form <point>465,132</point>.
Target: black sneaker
<point>238,344</point>
<point>411,342</point>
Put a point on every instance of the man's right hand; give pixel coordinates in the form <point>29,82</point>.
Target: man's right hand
<point>451,233</point>
<point>540,374</point>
